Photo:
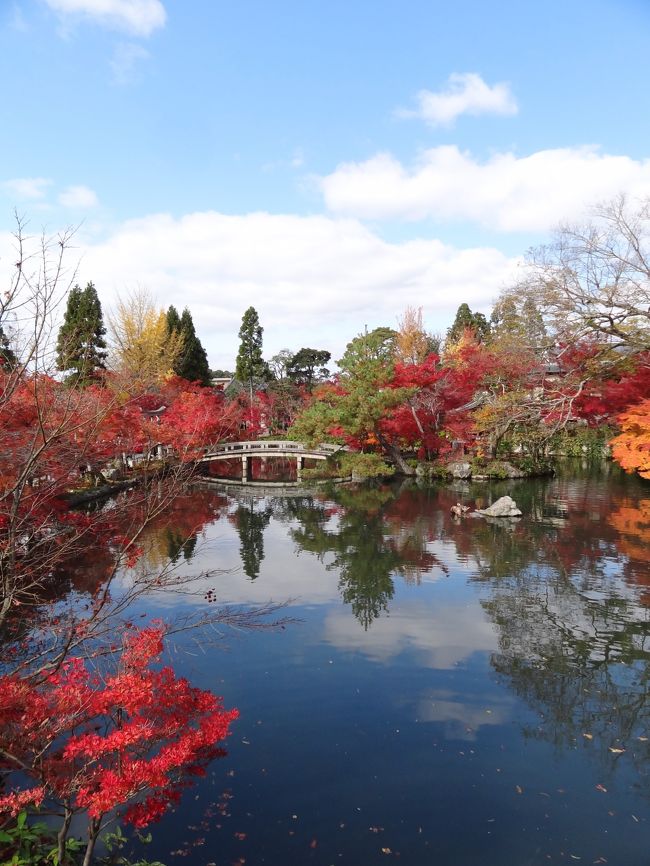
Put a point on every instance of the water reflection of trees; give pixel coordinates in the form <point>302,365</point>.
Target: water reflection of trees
<point>369,542</point>
<point>568,596</point>
<point>175,534</point>
<point>250,520</point>
<point>92,593</point>
<point>567,588</point>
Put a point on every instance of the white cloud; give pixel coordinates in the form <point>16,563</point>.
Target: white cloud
<point>465,93</point>
<point>32,188</point>
<point>314,280</point>
<point>139,17</point>
<point>505,192</point>
<point>125,58</point>
<point>439,639</point>
<point>460,717</point>
<point>78,197</point>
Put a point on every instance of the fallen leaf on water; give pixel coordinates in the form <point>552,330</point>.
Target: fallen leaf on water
<point>386,851</point>
<point>635,818</point>
<point>642,739</point>
<point>588,736</point>
<point>240,836</point>
<point>602,788</point>
<point>519,789</point>
<point>313,843</point>
<point>375,829</point>
<point>616,751</point>
<point>575,857</point>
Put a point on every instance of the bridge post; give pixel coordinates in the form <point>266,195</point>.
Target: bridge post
<point>244,468</point>
<point>300,462</point>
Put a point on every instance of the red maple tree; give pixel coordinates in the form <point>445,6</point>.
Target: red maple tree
<point>128,741</point>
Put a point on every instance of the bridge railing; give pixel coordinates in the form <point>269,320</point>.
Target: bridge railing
<point>269,445</point>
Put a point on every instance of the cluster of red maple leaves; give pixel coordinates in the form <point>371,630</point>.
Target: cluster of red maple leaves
<point>93,741</point>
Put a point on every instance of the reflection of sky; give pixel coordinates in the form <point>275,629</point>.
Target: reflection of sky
<point>285,573</point>
<point>436,637</point>
<point>460,718</point>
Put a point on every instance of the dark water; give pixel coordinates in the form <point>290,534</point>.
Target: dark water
<point>452,692</point>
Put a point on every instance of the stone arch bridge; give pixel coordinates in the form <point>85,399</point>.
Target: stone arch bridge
<point>245,451</point>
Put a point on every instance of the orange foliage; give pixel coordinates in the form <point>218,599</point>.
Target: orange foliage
<point>631,449</point>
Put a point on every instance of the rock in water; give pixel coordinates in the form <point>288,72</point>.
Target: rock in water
<point>503,507</point>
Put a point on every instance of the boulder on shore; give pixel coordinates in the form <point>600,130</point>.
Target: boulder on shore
<point>503,507</point>
<point>460,469</point>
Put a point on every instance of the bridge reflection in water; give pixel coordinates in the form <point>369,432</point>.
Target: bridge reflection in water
<point>264,461</point>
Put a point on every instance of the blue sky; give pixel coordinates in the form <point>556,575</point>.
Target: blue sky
<point>328,163</point>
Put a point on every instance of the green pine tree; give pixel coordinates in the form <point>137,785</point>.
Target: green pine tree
<point>250,365</point>
<point>81,347</point>
<point>8,358</point>
<point>173,319</point>
<point>465,318</point>
<point>192,363</point>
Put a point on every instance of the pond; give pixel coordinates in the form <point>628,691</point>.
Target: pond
<point>449,691</point>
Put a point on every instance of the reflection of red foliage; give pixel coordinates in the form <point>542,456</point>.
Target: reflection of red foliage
<point>96,744</point>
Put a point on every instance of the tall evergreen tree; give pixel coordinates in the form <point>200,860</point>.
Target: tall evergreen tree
<point>250,365</point>
<point>8,358</point>
<point>513,320</point>
<point>173,319</point>
<point>534,323</point>
<point>465,318</point>
<point>192,363</point>
<point>308,366</point>
<point>81,347</point>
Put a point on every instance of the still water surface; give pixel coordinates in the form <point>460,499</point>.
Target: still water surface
<point>450,692</point>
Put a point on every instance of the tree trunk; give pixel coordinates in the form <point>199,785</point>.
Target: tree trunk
<point>94,827</point>
<point>394,454</point>
<point>62,835</point>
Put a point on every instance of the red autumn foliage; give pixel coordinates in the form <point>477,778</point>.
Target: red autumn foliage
<point>95,744</point>
<point>604,398</point>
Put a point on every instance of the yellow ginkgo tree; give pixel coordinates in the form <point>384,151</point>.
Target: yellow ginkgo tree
<point>144,351</point>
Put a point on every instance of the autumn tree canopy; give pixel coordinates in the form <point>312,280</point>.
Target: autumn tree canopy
<point>144,351</point>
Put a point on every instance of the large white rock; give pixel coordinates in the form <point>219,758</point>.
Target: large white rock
<point>460,469</point>
<point>503,507</point>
